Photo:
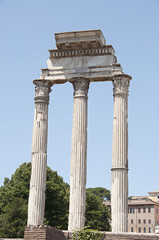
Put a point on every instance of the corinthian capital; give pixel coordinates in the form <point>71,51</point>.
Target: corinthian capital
<point>42,90</point>
<point>121,85</point>
<point>81,86</point>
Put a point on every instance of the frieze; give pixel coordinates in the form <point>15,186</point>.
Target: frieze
<point>108,49</point>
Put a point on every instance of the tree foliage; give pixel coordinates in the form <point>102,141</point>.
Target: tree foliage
<point>97,214</point>
<point>14,200</point>
<point>57,201</point>
<point>13,220</point>
<point>87,234</point>
<point>100,192</point>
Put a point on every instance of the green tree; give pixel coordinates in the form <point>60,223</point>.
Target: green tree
<point>97,214</point>
<point>13,220</point>
<point>17,187</point>
<point>57,201</point>
<point>100,192</point>
<point>13,203</point>
<point>14,200</point>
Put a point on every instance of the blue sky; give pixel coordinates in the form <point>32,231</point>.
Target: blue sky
<point>27,30</point>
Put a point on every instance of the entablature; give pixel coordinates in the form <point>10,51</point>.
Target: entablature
<point>82,54</point>
<point>80,39</point>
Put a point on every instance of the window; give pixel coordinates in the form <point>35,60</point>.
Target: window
<point>157,222</point>
<point>144,230</point>
<point>149,221</point>
<point>149,230</point>
<point>139,210</point>
<point>144,221</point>
<point>131,221</point>
<point>139,229</point>
<point>132,229</point>
<point>144,210</point>
<point>149,210</point>
<point>139,221</point>
<point>157,210</point>
<point>131,210</point>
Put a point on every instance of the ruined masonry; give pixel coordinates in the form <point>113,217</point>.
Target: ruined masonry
<point>81,58</point>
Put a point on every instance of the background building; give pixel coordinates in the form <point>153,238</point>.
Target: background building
<point>143,213</point>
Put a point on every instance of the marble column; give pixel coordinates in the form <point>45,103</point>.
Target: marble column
<point>119,184</point>
<point>78,156</point>
<point>36,204</point>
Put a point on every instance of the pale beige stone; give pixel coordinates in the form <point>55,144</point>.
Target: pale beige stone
<point>119,185</point>
<point>78,156</point>
<point>85,56</point>
<point>91,38</point>
<point>36,204</point>
<point>81,58</point>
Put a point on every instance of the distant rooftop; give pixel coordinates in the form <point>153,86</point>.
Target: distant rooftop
<point>137,197</point>
<point>133,202</point>
<point>152,199</point>
<point>154,192</point>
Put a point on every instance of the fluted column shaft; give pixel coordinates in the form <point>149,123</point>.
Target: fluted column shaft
<point>78,156</point>
<point>119,185</point>
<point>36,205</point>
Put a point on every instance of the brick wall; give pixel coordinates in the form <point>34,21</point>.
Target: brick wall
<point>43,233</point>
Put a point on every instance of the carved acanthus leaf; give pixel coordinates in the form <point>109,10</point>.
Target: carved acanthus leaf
<point>42,89</point>
<point>81,86</point>
<point>121,85</point>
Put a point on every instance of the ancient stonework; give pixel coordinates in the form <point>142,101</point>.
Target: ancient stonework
<point>43,233</point>
<point>81,86</point>
<point>121,85</point>
<point>81,58</point>
<point>36,204</point>
<point>119,184</point>
<point>42,90</point>
<point>78,156</point>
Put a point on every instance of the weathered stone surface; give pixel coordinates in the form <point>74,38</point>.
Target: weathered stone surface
<point>65,65</point>
<point>122,236</point>
<point>81,58</point>
<point>110,236</point>
<point>79,39</point>
<point>43,233</point>
<point>78,156</point>
<point>36,204</point>
<point>119,184</point>
<point>81,54</point>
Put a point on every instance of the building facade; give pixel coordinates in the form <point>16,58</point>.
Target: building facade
<point>143,213</point>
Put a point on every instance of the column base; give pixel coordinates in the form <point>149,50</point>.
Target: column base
<point>43,233</point>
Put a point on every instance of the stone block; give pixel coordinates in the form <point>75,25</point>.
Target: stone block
<point>43,233</point>
<point>79,39</point>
